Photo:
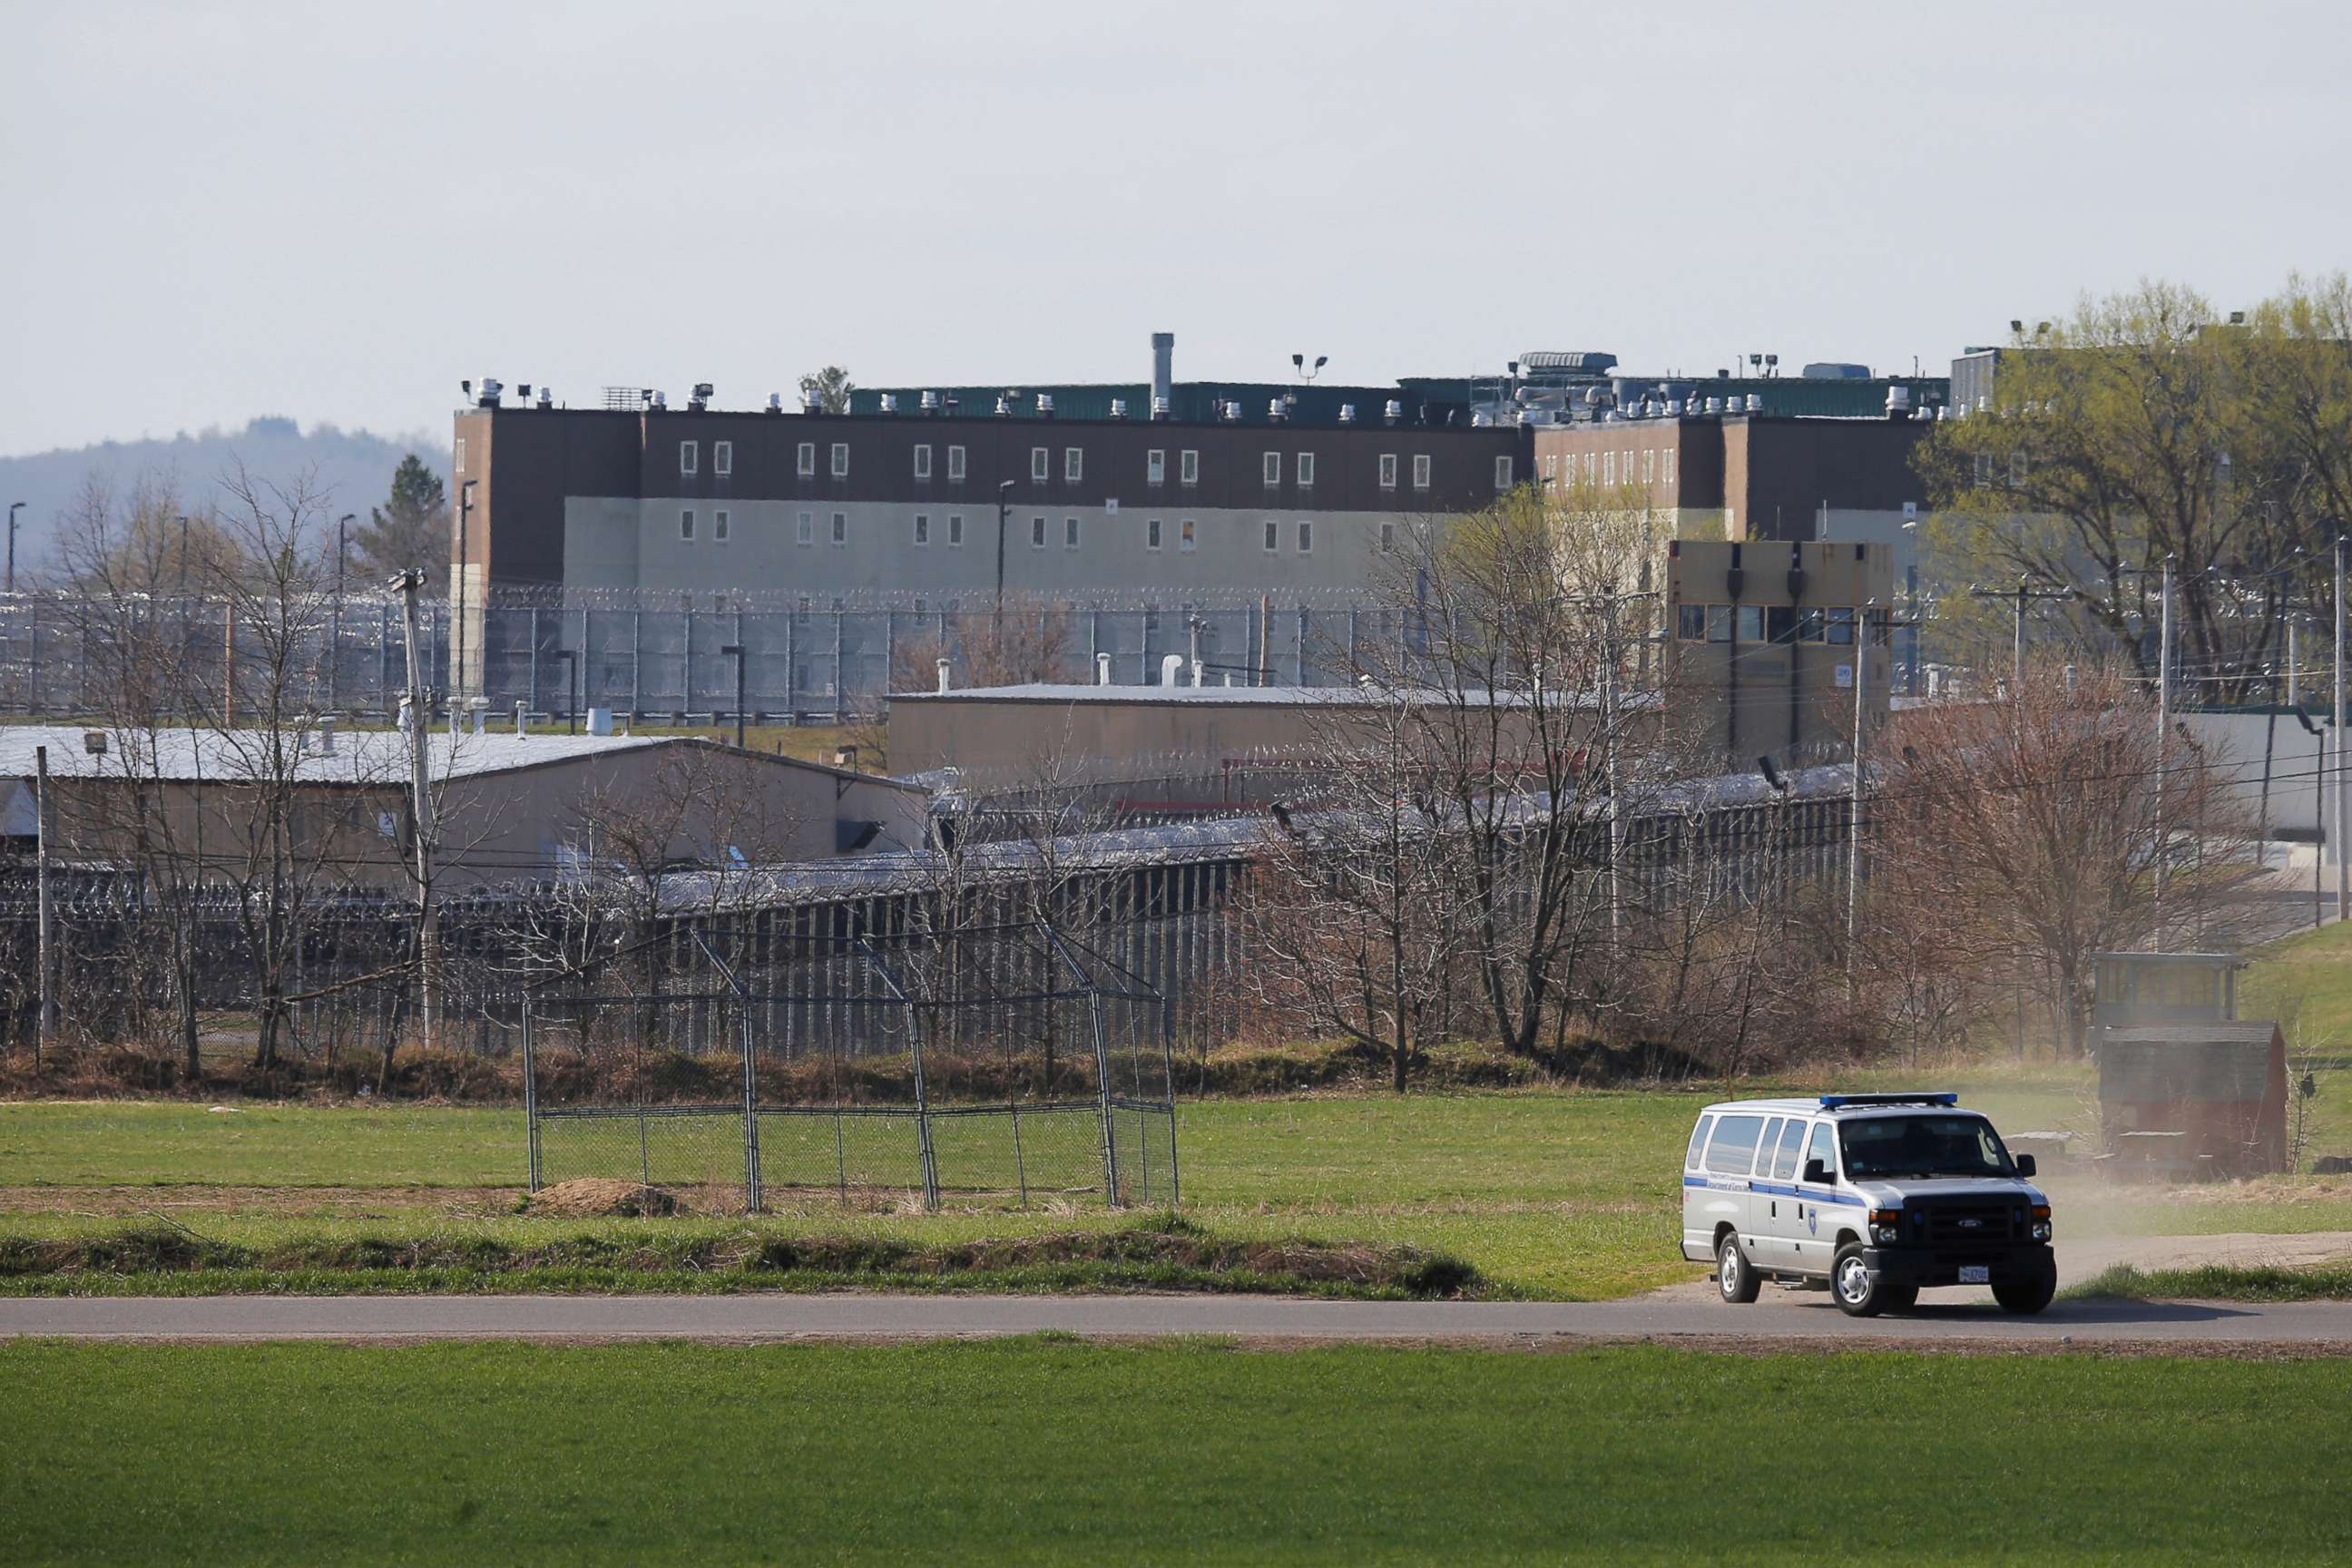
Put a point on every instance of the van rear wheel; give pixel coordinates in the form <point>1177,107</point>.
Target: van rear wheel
<point>1859,1294</point>
<point>1733,1276</point>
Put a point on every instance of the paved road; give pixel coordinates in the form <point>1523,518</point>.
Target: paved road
<point>1782,1315</point>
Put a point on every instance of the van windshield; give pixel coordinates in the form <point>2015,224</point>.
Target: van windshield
<point>1924,1146</point>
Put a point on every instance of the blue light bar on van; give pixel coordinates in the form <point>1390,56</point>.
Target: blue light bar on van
<point>1833,1102</point>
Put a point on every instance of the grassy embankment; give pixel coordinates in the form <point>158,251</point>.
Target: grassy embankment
<point>1555,1194</point>
<point>1049,1451</point>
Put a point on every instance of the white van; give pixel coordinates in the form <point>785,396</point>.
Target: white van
<point>1877,1196</point>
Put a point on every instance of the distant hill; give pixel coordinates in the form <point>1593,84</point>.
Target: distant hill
<point>357,464</point>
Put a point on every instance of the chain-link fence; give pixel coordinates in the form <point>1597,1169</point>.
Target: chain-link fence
<point>1008,1062</point>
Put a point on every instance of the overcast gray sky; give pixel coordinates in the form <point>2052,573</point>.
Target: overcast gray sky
<point>335,211</point>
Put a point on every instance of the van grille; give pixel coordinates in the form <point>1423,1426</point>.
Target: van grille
<point>1960,1223</point>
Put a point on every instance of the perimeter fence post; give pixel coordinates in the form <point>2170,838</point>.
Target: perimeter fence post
<point>750,1111</point>
<point>1168,1063</point>
<point>530,1092</point>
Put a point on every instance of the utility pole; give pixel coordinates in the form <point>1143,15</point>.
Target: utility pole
<point>1853,820</point>
<point>14,508</point>
<point>2340,830</point>
<point>420,784</point>
<point>2021,594</point>
<point>46,941</point>
<point>1003,511</point>
<point>2294,676</point>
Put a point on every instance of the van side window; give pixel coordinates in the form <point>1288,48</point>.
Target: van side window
<point>1765,1146</point>
<point>1732,1152</point>
<point>1793,1138</point>
<point>1824,1148</point>
<point>1697,1142</point>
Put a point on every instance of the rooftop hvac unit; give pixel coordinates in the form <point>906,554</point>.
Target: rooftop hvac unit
<point>1119,407</point>
<point>1392,412</point>
<point>1044,406</point>
<point>660,400</point>
<point>1346,413</point>
<point>1898,402</point>
<point>929,403</point>
<point>1275,411</point>
<point>889,404</point>
<point>775,402</point>
<point>810,403</point>
<point>1714,405</point>
<point>491,387</point>
<point>700,399</point>
<point>1232,411</point>
<point>546,398</point>
<point>1159,409</point>
<point>1755,402</point>
<point>1004,407</point>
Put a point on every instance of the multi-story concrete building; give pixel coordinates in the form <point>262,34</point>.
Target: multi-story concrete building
<point>1768,640</point>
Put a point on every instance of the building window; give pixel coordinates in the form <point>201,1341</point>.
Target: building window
<point>1187,469</point>
<point>717,519</point>
<point>1588,468</point>
<point>1649,465</point>
<point>1306,470</point>
<point>1184,534</point>
<point>1421,470</point>
<point>2017,470</point>
<point>688,459</point>
<point>1273,536</point>
<point>1718,623</point>
<point>1306,537</point>
<point>808,459</point>
<point>1272,469</point>
<point>1151,534</point>
<point>1809,625</point>
<point>923,460</point>
<point>955,529</point>
<point>955,464</point>
<point>1040,465</point>
<point>1669,452</point>
<point>1502,474</point>
<point>1037,533</point>
<point>840,529</point>
<point>1155,467</point>
<point>1069,534</point>
<point>1074,464</point>
<point>923,530</point>
<point>1551,465</point>
<point>686,525</point>
<point>1690,623</point>
<point>1840,619</point>
<point>722,458</point>
<point>808,528</point>
<point>841,459</point>
<point>1388,534</point>
<point>1751,623</point>
<point>1387,470</point>
<point>459,465</point>
<point>1608,468</point>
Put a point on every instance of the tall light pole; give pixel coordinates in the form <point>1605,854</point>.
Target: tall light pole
<point>571,657</point>
<point>735,651</point>
<point>335,624</point>
<point>420,783</point>
<point>14,508</point>
<point>1853,821</point>
<point>463,597</point>
<point>1003,511</point>
<point>2341,828</point>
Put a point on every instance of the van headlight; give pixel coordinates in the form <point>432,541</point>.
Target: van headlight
<point>2041,1229</point>
<point>1886,1226</point>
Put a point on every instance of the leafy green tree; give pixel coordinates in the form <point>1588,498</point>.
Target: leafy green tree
<point>2146,427</point>
<point>830,387</point>
<point>410,530</point>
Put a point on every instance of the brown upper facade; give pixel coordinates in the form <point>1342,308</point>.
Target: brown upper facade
<point>1770,476</point>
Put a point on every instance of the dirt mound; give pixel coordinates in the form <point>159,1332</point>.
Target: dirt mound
<point>604,1195</point>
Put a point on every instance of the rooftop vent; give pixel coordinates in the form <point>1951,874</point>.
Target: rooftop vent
<point>700,399</point>
<point>1004,405</point>
<point>1044,406</point>
<point>1898,402</point>
<point>810,403</point>
<point>1119,407</point>
<point>1232,411</point>
<point>1275,411</point>
<point>546,398</point>
<point>929,403</point>
<point>660,400</point>
<point>1346,413</point>
<point>1755,402</point>
<point>775,402</point>
<point>1714,405</point>
<point>1159,407</point>
<point>489,398</point>
<point>889,404</point>
<point>1392,412</point>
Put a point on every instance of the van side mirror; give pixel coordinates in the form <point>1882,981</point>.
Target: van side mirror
<point>1815,1171</point>
<point>2025,1165</point>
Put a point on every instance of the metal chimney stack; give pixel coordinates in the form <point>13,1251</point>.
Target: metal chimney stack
<point>1163,367</point>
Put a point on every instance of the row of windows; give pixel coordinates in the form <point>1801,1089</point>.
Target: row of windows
<point>1074,465</point>
<point>1605,468</point>
<point>1831,623</point>
<point>1153,532</point>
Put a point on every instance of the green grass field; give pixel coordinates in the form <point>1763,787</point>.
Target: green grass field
<point>1050,1451</point>
<point>1548,1194</point>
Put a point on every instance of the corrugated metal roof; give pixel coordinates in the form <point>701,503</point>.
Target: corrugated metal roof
<point>366,756</point>
<point>1227,695</point>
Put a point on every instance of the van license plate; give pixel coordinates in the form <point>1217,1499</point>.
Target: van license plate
<point>1976,1274</point>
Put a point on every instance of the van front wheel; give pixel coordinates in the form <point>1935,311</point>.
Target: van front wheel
<point>1733,1276</point>
<point>1859,1294</point>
